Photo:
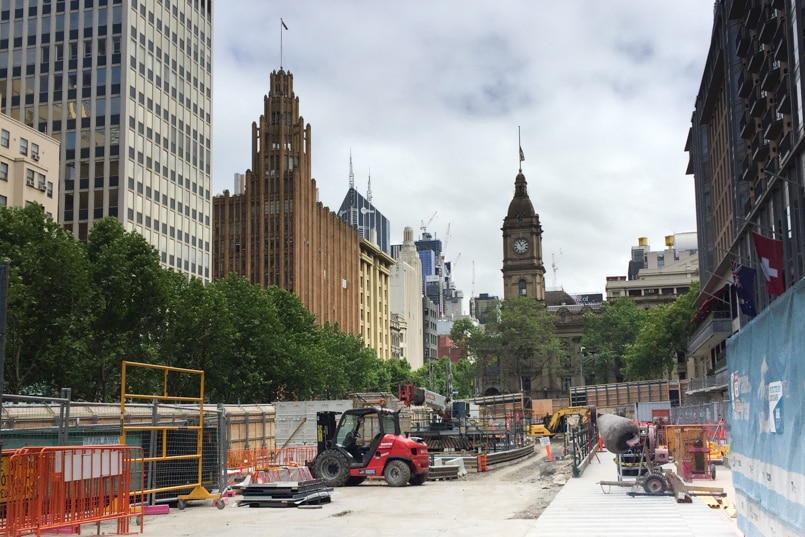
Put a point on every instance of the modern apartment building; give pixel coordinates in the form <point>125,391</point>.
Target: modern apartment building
<point>745,158</point>
<point>278,232</point>
<point>29,165</point>
<point>126,88</point>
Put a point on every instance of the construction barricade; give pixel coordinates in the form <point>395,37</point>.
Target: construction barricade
<point>47,489</point>
<point>261,458</point>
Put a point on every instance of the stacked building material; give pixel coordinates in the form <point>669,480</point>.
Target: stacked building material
<point>286,494</point>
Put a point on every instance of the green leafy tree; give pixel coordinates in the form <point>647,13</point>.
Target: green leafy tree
<point>248,358</point>
<point>464,333</point>
<point>48,301</point>
<point>197,334</point>
<point>345,365</point>
<point>433,376</point>
<point>523,339</point>
<point>663,339</point>
<point>608,335</point>
<point>129,309</point>
<point>390,373</point>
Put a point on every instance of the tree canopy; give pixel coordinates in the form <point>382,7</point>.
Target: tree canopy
<point>607,338</point>
<point>663,339</point>
<point>517,344</point>
<point>77,310</point>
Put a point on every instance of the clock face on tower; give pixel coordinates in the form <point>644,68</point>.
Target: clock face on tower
<point>520,246</point>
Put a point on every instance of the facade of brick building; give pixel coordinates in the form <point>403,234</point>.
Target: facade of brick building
<point>278,232</point>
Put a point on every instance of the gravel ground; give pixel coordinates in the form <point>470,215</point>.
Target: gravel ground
<point>503,501</point>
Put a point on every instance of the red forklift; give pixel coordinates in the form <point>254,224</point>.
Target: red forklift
<point>367,443</point>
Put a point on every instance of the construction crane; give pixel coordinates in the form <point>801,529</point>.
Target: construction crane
<point>424,225</point>
<point>446,238</point>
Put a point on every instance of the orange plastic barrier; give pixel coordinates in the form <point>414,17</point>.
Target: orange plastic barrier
<point>50,488</point>
<point>482,463</point>
<point>261,458</point>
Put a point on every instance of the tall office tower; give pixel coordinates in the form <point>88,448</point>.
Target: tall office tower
<point>359,212</point>
<point>127,90</point>
<point>278,233</point>
<point>240,183</point>
<point>430,256</point>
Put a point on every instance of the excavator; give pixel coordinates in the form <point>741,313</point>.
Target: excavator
<point>540,430</point>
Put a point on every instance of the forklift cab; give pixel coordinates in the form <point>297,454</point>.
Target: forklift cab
<point>360,431</point>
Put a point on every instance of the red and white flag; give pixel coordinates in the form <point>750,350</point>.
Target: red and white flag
<point>770,254</point>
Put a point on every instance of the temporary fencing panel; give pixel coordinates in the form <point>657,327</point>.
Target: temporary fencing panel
<point>175,451</point>
<point>766,376</point>
<point>49,488</point>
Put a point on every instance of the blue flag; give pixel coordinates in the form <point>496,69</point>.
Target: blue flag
<point>744,281</point>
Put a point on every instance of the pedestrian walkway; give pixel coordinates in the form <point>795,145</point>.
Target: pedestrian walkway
<point>584,508</point>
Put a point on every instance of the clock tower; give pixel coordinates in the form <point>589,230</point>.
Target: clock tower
<point>523,271</point>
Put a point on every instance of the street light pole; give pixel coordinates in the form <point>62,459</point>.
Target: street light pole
<point>581,365</point>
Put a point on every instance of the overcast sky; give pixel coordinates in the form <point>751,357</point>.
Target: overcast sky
<point>429,95</point>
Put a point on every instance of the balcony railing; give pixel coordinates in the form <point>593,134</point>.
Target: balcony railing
<point>758,56</point>
<point>743,43</point>
<point>782,98</point>
<point>753,14</point>
<point>747,126</point>
<point>746,84</point>
<point>772,124</point>
<point>770,75</point>
<point>768,25</point>
<point>714,329</point>
<point>780,44</point>
<point>710,382</point>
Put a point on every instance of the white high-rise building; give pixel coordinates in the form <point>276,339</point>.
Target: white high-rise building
<point>126,87</point>
<point>406,299</point>
<point>240,183</point>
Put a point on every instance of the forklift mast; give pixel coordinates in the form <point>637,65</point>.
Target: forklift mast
<point>325,429</point>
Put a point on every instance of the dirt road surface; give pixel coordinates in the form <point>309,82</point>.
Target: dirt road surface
<point>503,501</point>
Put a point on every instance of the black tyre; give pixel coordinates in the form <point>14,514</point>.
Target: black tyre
<point>655,484</point>
<point>332,467</point>
<point>712,470</point>
<point>355,480</point>
<point>397,474</point>
<point>418,479</point>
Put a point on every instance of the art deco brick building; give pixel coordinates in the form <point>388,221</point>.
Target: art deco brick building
<point>278,232</point>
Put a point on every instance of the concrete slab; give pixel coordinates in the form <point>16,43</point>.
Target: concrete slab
<point>585,508</point>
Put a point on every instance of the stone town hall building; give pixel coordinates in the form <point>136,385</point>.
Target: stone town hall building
<point>278,232</point>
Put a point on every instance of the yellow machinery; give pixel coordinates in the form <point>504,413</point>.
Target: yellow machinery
<point>539,430</point>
